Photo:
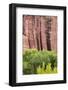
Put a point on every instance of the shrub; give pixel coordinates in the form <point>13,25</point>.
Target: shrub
<point>32,59</point>
<point>53,59</point>
<point>27,68</point>
<point>28,54</point>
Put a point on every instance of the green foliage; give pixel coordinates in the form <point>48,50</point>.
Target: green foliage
<point>26,68</point>
<point>53,59</point>
<point>35,62</point>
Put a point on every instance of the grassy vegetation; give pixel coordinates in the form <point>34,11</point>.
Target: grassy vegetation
<point>39,62</point>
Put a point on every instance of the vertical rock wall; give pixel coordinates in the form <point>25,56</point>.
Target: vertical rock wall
<point>40,32</point>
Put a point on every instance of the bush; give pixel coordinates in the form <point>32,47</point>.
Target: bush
<point>32,59</point>
<point>53,59</point>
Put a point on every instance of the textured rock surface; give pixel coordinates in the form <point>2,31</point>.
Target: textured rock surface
<point>40,32</point>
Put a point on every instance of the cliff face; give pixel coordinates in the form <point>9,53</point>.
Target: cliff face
<point>40,32</point>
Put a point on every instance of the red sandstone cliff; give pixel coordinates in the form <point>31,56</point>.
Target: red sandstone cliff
<point>40,32</point>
